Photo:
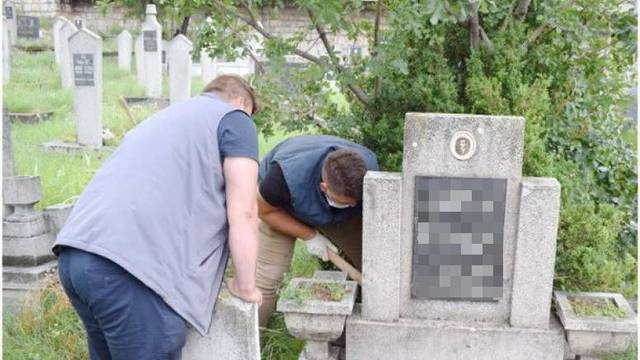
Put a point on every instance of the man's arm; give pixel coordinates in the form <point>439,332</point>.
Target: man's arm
<point>241,177</point>
<point>281,221</point>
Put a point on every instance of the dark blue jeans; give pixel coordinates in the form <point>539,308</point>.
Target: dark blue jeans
<point>123,318</point>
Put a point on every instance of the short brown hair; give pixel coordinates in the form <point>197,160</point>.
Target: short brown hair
<point>233,86</point>
<point>344,172</point>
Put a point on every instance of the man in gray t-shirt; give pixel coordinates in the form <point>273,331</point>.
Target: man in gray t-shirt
<point>146,245</point>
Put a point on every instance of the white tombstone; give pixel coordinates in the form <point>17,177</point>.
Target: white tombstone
<point>66,31</point>
<point>152,45</point>
<point>124,50</point>
<point>207,66</point>
<point>179,55</point>
<point>9,11</point>
<point>86,54</point>
<point>57,45</point>
<point>6,52</point>
<point>165,57</point>
<point>139,60</point>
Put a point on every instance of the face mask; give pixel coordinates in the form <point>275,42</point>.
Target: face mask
<point>336,205</point>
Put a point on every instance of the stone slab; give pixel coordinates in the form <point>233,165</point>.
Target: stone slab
<point>535,252</point>
<point>25,278</point>
<point>124,50</point>
<point>24,229</point>
<point>313,306</point>
<point>21,190</point>
<point>69,147</point>
<point>152,45</point>
<point>31,251</point>
<point>179,57</point>
<point>233,334</point>
<point>432,147</point>
<point>56,216</point>
<point>418,339</point>
<point>571,321</point>
<point>381,211</point>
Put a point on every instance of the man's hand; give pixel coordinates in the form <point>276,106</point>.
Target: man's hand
<point>318,246</point>
<point>254,295</point>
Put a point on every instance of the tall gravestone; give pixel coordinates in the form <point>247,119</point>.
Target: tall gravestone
<point>66,30</point>
<point>179,54</point>
<point>207,67</point>
<point>459,249</point>
<point>57,45</point>
<point>86,56</point>
<point>139,50</point>
<point>6,52</point>
<point>9,10</point>
<point>124,50</point>
<point>152,45</point>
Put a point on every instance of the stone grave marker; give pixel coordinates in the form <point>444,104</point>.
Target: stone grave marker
<point>6,52</point>
<point>124,50</point>
<point>179,53</point>
<point>9,11</point>
<point>139,50</point>
<point>458,249</point>
<point>7,149</point>
<point>165,58</point>
<point>28,27</point>
<point>86,52</point>
<point>207,66</point>
<point>152,45</point>
<point>66,30</point>
<point>57,45</point>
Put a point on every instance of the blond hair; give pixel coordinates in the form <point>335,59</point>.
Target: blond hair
<point>230,87</point>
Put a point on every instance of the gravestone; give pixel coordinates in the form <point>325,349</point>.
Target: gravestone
<point>6,52</point>
<point>86,52</point>
<point>66,30</point>
<point>207,66</point>
<point>124,50</point>
<point>7,149</point>
<point>57,45</point>
<point>152,45</point>
<point>233,334</point>
<point>9,11</point>
<point>180,70</point>
<point>28,27</point>
<point>26,241</point>
<point>458,249</point>
<point>139,50</point>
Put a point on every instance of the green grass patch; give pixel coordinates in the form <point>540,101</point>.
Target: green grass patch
<point>589,307</point>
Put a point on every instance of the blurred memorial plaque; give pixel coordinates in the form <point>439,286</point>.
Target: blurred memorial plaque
<point>150,40</point>
<point>28,27</point>
<point>83,69</point>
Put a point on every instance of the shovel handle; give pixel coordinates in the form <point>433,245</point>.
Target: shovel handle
<point>343,265</point>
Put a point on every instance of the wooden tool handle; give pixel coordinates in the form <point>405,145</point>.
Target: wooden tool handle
<point>343,265</point>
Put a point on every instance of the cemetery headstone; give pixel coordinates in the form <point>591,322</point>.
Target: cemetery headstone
<point>28,27</point>
<point>180,70</point>
<point>7,150</point>
<point>66,30</point>
<point>86,55</point>
<point>152,44</point>
<point>124,50</point>
<point>207,66</point>
<point>165,58</point>
<point>9,10</point>
<point>6,52</point>
<point>57,45</point>
<point>458,249</point>
<point>139,50</point>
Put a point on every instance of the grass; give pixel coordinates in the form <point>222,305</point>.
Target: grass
<point>309,291</point>
<point>50,328</point>
<point>587,307</point>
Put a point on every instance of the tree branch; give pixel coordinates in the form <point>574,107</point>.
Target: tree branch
<point>521,9</point>
<point>474,27</point>
<point>376,41</point>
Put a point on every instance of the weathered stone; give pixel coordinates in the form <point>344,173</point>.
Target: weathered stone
<point>21,190</point>
<point>139,50</point>
<point>24,229</point>
<point>56,216</point>
<point>496,153</point>
<point>66,68</point>
<point>9,12</point>
<point>381,210</point>
<point>179,54</point>
<point>124,50</point>
<point>418,339</point>
<point>7,149</point>
<point>233,334</point>
<point>31,251</point>
<point>596,336</point>
<point>535,252</point>
<point>57,38</point>
<point>19,282</point>
<point>86,51</point>
<point>152,46</point>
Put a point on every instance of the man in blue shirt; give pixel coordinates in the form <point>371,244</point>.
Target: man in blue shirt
<point>147,242</point>
<point>310,188</point>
